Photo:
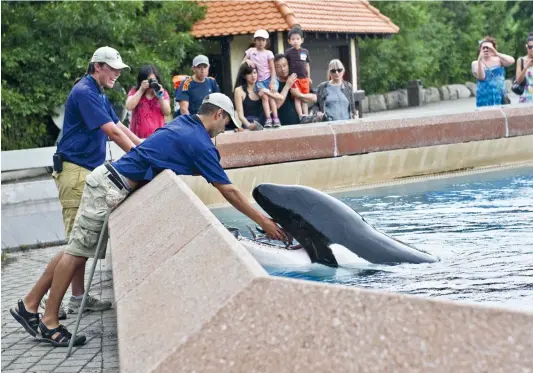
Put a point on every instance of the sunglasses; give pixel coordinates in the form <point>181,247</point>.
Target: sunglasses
<point>530,47</point>
<point>333,71</point>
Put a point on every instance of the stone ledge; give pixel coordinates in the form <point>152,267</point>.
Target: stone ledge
<point>326,140</point>
<point>378,136</point>
<point>284,325</point>
<point>275,146</point>
<point>174,266</point>
<point>520,120</point>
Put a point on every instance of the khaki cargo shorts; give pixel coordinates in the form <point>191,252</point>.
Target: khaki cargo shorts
<point>100,196</point>
<point>70,183</point>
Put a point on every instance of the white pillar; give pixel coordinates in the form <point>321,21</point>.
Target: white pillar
<point>353,61</point>
<point>281,42</point>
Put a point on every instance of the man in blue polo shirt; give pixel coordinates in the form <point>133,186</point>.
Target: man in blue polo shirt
<point>89,120</point>
<point>183,146</point>
<point>192,90</point>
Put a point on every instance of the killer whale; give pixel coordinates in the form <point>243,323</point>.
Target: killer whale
<point>318,221</point>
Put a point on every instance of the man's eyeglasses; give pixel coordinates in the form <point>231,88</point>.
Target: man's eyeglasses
<point>530,47</point>
<point>333,71</point>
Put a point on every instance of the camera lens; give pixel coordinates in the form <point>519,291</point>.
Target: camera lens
<point>154,84</point>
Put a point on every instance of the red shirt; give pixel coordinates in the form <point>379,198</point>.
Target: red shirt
<point>147,115</point>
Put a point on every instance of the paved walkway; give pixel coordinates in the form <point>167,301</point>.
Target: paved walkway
<point>436,108</point>
<point>21,353</point>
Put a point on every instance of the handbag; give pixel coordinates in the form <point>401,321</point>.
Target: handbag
<point>519,88</point>
<point>505,99</point>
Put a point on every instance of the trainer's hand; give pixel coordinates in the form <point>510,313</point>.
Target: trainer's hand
<point>273,231</point>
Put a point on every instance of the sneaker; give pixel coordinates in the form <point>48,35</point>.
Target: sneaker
<point>92,304</point>
<point>268,123</point>
<point>62,315</point>
<point>276,123</point>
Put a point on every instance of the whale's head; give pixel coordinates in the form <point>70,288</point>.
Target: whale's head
<point>317,220</point>
<point>291,206</point>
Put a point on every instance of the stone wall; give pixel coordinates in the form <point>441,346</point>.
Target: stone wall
<point>398,99</point>
<point>327,140</point>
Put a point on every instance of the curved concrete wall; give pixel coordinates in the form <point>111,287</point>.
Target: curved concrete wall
<point>190,298</point>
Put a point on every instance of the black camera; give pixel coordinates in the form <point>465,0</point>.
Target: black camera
<point>154,84</point>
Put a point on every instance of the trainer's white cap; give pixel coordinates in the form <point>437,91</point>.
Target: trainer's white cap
<point>223,102</point>
<point>261,34</point>
<point>109,56</point>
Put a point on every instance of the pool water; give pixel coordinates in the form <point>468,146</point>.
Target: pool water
<point>479,225</point>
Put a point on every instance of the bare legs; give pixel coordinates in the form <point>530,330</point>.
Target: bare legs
<point>78,282</point>
<point>56,277</point>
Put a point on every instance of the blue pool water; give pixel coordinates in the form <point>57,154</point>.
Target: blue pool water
<point>480,226</point>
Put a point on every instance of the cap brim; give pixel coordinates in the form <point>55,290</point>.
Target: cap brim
<point>201,63</point>
<point>235,121</point>
<point>118,65</point>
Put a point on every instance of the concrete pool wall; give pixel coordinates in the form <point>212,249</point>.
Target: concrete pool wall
<point>190,297</point>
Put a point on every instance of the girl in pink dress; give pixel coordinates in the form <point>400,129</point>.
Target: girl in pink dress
<point>149,103</point>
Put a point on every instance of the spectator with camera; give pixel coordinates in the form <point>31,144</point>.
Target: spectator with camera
<point>489,70</point>
<point>149,103</point>
<point>194,89</point>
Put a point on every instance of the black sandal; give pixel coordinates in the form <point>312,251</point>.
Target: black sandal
<point>30,321</point>
<point>61,340</point>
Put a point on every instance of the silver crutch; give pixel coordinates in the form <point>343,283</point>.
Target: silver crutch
<point>102,240</point>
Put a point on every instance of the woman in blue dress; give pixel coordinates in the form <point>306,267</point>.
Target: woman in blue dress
<point>489,70</point>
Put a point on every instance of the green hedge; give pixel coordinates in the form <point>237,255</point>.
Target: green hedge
<point>47,45</point>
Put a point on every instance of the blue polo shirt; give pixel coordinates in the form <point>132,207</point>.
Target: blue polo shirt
<point>194,92</point>
<point>87,108</point>
<point>183,146</point>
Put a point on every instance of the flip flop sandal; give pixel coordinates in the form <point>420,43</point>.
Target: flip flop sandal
<point>62,339</point>
<point>30,321</point>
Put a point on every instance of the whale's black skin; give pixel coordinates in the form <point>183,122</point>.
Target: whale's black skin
<point>317,220</point>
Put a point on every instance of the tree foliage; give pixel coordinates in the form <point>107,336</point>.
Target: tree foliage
<point>46,46</point>
<point>438,40</point>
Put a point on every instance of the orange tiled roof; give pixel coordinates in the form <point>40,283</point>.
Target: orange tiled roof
<point>244,17</point>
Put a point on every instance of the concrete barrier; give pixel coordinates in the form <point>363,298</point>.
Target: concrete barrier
<point>190,298</point>
<point>304,142</point>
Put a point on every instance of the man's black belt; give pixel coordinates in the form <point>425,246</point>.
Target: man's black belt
<point>115,178</point>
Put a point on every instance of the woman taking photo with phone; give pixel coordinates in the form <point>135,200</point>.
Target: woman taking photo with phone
<point>489,70</point>
<point>149,103</point>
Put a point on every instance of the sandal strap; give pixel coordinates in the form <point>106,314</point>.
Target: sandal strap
<point>32,318</point>
<point>63,334</point>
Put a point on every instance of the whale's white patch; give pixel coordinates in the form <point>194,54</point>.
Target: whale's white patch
<point>274,256</point>
<point>345,257</point>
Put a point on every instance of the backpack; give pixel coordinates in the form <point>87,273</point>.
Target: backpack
<point>177,79</point>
